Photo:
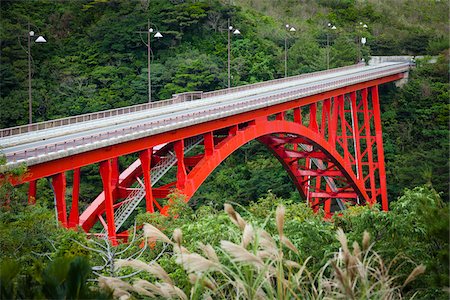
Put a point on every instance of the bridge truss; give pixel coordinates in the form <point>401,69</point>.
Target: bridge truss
<point>327,136</point>
<point>330,144</point>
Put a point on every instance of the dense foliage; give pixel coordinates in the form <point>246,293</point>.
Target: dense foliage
<point>414,232</point>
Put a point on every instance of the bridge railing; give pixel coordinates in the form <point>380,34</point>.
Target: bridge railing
<point>86,117</point>
<point>177,98</point>
<point>277,81</point>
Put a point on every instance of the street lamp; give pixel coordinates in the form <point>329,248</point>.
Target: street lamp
<point>157,35</point>
<point>361,40</point>
<point>235,32</point>
<point>289,29</point>
<point>40,39</point>
<point>332,27</point>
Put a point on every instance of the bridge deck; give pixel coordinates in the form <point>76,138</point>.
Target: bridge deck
<point>53,143</point>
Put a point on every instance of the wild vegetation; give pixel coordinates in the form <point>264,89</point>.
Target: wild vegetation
<point>95,59</point>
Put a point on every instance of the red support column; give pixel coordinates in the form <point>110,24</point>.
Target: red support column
<point>316,203</point>
<point>325,116</point>
<point>208,140</point>
<point>233,130</point>
<point>344,129</point>
<point>146,157</point>
<point>106,174</point>
<point>298,115</point>
<point>380,150</point>
<point>332,125</point>
<point>32,192</point>
<point>74,213</point>
<point>369,146</point>
<point>327,205</point>
<point>115,171</point>
<point>279,116</point>
<point>356,135</point>
<point>313,117</point>
<point>59,187</point>
<point>181,172</point>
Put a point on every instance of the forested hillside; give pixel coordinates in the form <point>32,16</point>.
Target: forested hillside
<point>95,59</point>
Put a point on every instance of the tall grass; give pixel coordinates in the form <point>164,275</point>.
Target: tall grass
<point>263,266</point>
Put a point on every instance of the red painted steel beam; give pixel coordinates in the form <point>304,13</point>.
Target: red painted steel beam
<point>95,156</point>
<point>329,194</point>
<point>318,172</point>
<point>146,157</point>
<point>106,172</point>
<point>304,154</point>
<point>74,212</point>
<point>59,188</point>
<point>32,192</point>
<point>380,150</point>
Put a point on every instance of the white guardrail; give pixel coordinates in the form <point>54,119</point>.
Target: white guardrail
<point>177,98</point>
<point>142,130</point>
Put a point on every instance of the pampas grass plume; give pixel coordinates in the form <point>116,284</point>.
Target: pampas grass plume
<point>420,269</point>
<point>240,254</point>
<point>152,231</point>
<point>154,269</point>
<point>209,252</point>
<point>280,212</point>
<point>178,236</point>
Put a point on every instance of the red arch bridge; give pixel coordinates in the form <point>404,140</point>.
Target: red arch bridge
<point>324,127</point>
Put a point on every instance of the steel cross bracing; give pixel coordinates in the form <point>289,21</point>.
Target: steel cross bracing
<point>324,128</point>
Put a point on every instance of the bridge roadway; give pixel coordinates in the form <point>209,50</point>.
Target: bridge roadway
<point>49,144</point>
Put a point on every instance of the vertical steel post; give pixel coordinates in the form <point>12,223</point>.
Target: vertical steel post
<point>356,134</point>
<point>74,213</point>
<point>332,125</point>
<point>326,105</point>
<point>32,192</point>
<point>369,145</point>
<point>298,115</point>
<point>146,157</point>
<point>115,172</point>
<point>30,103</point>
<point>344,130</point>
<point>285,56</point>
<point>208,140</point>
<point>181,167</point>
<point>59,187</point>
<point>328,51</point>
<point>106,174</point>
<point>313,117</point>
<point>327,204</point>
<point>229,53</point>
<point>149,62</point>
<point>380,150</point>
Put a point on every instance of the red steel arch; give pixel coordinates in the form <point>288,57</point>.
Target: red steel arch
<point>265,131</point>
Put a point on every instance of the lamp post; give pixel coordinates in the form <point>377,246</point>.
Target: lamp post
<point>360,40</point>
<point>332,27</point>
<point>40,39</point>
<point>289,29</point>
<point>363,42</point>
<point>157,35</point>
<point>235,32</point>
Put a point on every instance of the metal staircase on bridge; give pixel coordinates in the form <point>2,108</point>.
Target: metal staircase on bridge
<point>158,171</point>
